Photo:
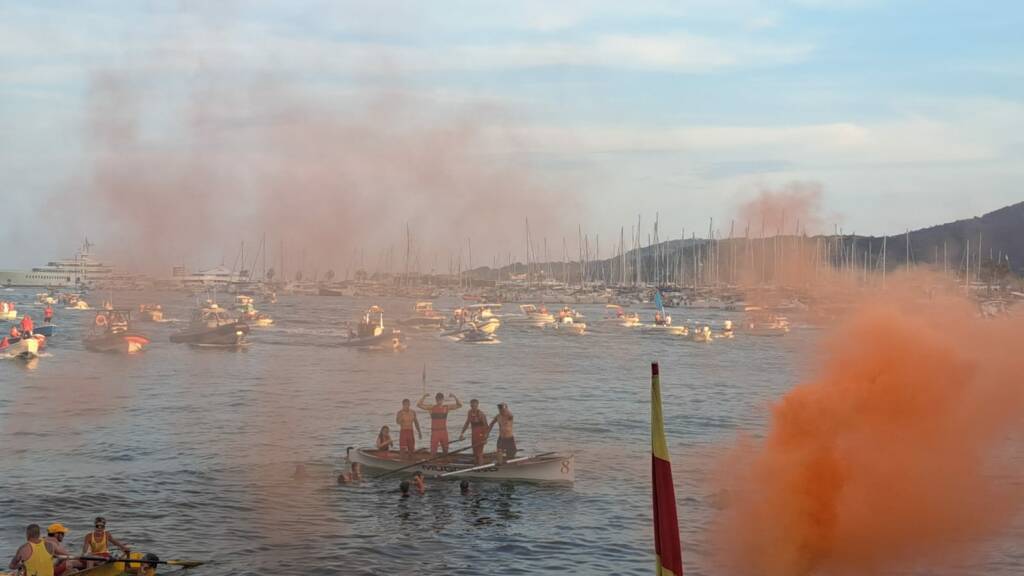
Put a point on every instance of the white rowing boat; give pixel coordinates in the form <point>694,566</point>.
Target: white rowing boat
<point>547,467</point>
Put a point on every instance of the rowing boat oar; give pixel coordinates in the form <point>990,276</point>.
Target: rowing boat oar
<point>431,459</point>
<point>494,464</point>
<point>104,559</point>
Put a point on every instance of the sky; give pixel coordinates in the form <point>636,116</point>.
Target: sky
<point>905,113</point>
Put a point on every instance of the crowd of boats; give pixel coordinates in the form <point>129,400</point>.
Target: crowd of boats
<point>116,329</point>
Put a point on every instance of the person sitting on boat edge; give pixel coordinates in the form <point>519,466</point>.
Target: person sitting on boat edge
<point>506,438</point>
<point>439,420</point>
<point>95,543</point>
<point>55,534</point>
<point>35,555</point>
<point>384,441</point>
<point>478,420</point>
<point>407,420</point>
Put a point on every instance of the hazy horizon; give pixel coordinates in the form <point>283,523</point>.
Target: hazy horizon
<point>169,132</point>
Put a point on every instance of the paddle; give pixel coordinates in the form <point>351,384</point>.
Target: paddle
<point>494,464</point>
<point>431,459</point>
<point>183,563</point>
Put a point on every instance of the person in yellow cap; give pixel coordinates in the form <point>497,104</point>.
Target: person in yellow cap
<point>55,534</point>
<point>36,555</point>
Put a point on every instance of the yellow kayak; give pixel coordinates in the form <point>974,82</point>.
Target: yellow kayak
<point>125,567</point>
<point>120,568</point>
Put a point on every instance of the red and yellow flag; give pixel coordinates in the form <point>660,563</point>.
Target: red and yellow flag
<point>668,551</point>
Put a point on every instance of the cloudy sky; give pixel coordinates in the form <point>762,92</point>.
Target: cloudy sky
<point>905,113</point>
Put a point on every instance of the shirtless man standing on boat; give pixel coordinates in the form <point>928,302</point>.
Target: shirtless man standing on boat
<point>478,420</point>
<point>406,420</point>
<point>506,439</point>
<point>439,420</point>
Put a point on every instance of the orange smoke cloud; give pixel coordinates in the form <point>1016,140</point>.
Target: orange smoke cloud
<point>780,211</point>
<point>898,451</point>
<point>185,159</point>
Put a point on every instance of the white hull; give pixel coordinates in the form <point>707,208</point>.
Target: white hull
<point>545,468</point>
<point>663,329</point>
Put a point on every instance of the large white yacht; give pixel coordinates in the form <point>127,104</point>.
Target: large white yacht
<point>79,272</point>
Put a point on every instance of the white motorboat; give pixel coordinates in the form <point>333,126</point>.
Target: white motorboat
<point>567,325</point>
<point>535,316</point>
<point>545,467</point>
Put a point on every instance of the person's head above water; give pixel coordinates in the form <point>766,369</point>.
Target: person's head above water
<point>464,486</point>
<point>403,487</point>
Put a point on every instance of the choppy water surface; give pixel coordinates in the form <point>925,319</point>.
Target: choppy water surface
<point>190,452</point>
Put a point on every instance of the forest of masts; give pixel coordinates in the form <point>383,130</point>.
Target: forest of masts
<point>645,259</point>
<point>717,260</point>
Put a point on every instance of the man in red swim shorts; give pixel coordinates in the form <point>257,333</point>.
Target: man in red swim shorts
<point>406,420</point>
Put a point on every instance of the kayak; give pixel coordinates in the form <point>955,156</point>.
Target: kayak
<point>116,568</point>
<point>548,467</point>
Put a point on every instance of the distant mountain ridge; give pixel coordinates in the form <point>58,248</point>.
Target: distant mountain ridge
<point>1000,233</point>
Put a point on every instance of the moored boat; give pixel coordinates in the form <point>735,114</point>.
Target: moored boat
<point>545,467</point>
<point>111,332</point>
<point>211,325</point>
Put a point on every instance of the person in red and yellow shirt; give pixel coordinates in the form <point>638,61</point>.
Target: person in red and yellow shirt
<point>439,420</point>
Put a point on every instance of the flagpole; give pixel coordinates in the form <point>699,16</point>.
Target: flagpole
<point>667,549</point>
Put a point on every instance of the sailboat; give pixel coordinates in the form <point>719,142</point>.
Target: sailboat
<point>663,321</point>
